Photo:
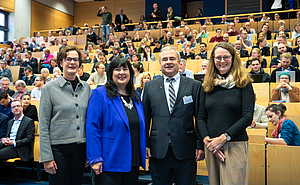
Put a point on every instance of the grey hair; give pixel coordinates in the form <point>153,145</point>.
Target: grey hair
<point>5,79</point>
<point>20,83</point>
<point>167,48</point>
<point>183,60</point>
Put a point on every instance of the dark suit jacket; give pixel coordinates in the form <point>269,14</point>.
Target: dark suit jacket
<point>203,56</point>
<point>177,126</point>
<point>244,53</point>
<point>158,13</point>
<point>3,125</point>
<point>8,91</point>
<point>33,62</point>
<point>297,74</point>
<point>264,51</point>
<point>24,138</point>
<point>185,56</point>
<point>118,20</point>
<point>296,51</point>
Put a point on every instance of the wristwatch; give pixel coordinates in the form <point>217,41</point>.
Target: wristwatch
<point>227,137</point>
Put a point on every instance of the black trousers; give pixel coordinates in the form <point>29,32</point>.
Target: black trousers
<point>70,161</point>
<point>118,178</point>
<point>7,152</point>
<point>162,170</point>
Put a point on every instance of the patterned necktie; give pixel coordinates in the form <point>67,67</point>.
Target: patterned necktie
<point>172,95</point>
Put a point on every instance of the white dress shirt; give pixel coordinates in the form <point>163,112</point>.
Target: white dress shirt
<point>14,129</point>
<point>175,84</point>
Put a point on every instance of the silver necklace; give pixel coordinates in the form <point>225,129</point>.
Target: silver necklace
<point>128,105</point>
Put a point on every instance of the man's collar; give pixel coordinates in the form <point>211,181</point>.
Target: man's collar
<point>20,118</point>
<point>176,77</point>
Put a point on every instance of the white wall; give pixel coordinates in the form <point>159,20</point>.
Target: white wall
<point>66,6</point>
<point>22,18</point>
<point>11,26</point>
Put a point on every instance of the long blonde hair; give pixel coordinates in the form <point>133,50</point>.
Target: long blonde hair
<point>170,13</point>
<point>258,51</point>
<point>239,73</point>
<point>143,75</point>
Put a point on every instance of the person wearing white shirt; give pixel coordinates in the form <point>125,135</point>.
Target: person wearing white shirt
<point>204,67</point>
<point>39,84</point>
<point>183,70</point>
<point>99,76</point>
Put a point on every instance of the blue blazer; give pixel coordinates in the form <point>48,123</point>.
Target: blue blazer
<point>108,137</point>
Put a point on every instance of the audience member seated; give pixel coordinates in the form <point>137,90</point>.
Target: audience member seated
<point>296,31</point>
<point>282,40</point>
<point>19,136</point>
<point>136,59</point>
<point>39,84</point>
<point>192,39</point>
<point>101,59</point>
<point>196,36</point>
<point>10,52</point>
<point>90,50</point>
<point>18,60</point>
<point>102,47</point>
<point>85,57</point>
<point>5,104</point>
<point>208,21</point>
<point>122,39</point>
<point>168,40</point>
<point>147,36</point>
<point>182,39</point>
<point>20,86</point>
<point>47,57</point>
<point>281,29</point>
<point>158,25</point>
<point>226,39</point>
<point>99,76</point>
<point>4,71</point>
<point>186,52</point>
<point>29,77</point>
<point>130,53</point>
<point>138,69</point>
<point>144,77</point>
<point>170,25</point>
<point>246,44</point>
<point>82,75</point>
<point>238,46</point>
<point>64,42</point>
<point>145,26</point>
<point>204,67</point>
<point>262,45</point>
<point>255,53</point>
<point>91,36</point>
<point>224,20</point>
<point>176,35</point>
<point>183,70</point>
<point>275,62</point>
<point>46,74</point>
<point>26,47</point>
<point>2,53</point>
<point>56,73</point>
<point>249,29</point>
<point>285,91</point>
<point>56,42</point>
<point>8,59</point>
<point>42,46</point>
<point>232,31</point>
<point>53,64</point>
<point>14,44</point>
<point>157,47</point>
<point>148,55</point>
<point>286,131</point>
<point>156,14</point>
<point>164,34</point>
<point>141,47</point>
<point>203,52</point>
<point>33,44</point>
<point>218,37</point>
<point>31,61</point>
<point>140,27</point>
<point>5,86</point>
<point>3,124</point>
<point>28,109</point>
<point>116,52</point>
<point>265,30</point>
<point>188,31</point>
<point>136,37</point>
<point>204,33</point>
<point>255,64</point>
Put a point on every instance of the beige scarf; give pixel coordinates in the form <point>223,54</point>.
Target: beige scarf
<point>227,82</point>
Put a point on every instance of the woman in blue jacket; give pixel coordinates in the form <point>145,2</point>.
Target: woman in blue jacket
<point>115,127</point>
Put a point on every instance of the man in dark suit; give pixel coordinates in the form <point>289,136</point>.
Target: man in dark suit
<point>203,52</point>
<point>5,86</point>
<point>121,19</point>
<point>171,101</point>
<point>3,124</point>
<point>238,46</point>
<point>30,61</point>
<point>19,135</point>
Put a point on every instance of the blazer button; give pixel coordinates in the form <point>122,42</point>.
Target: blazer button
<point>76,105</point>
<point>170,117</point>
<point>76,95</point>
<point>168,134</point>
<point>78,128</point>
<point>77,116</point>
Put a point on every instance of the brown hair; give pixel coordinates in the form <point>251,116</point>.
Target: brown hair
<point>64,52</point>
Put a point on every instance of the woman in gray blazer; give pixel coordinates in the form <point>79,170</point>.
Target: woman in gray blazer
<point>63,107</point>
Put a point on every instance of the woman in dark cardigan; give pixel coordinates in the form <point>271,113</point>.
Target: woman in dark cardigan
<point>226,110</point>
<point>28,109</point>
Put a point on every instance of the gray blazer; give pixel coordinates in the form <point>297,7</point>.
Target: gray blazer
<point>62,115</point>
<point>27,91</point>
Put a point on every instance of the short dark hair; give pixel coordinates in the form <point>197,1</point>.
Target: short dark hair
<point>42,78</point>
<point>64,52</point>
<point>255,59</point>
<point>26,94</point>
<point>29,53</point>
<point>157,41</point>
<point>3,95</point>
<point>203,44</point>
<point>63,39</point>
<point>125,32</point>
<point>29,69</point>
<point>218,29</point>
<point>111,87</point>
<point>275,108</point>
<point>25,42</point>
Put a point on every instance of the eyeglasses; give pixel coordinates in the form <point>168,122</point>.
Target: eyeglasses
<point>255,64</point>
<point>17,106</point>
<point>69,60</point>
<point>225,58</point>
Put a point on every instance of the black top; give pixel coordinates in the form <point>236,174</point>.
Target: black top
<point>134,125</point>
<point>74,83</point>
<point>31,112</point>
<point>85,76</point>
<point>232,114</point>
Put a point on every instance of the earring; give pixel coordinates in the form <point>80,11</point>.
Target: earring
<point>278,117</point>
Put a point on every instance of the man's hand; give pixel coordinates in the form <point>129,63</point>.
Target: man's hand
<point>148,153</point>
<point>200,155</point>
<point>154,16</point>
<point>50,167</point>
<point>253,124</point>
<point>97,167</point>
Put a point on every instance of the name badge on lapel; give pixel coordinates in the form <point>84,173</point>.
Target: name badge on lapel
<point>187,99</point>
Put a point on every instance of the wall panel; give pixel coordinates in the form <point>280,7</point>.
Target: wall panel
<point>8,5</point>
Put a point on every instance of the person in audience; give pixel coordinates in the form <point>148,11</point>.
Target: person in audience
<point>204,66</point>
<point>26,47</point>
<point>296,50</point>
<point>46,74</point>
<point>197,38</point>
<point>144,77</point>
<point>141,47</point>
<point>18,60</point>
<point>184,70</point>
<point>64,43</point>
<point>79,32</point>
<point>265,30</point>
<point>39,84</point>
<point>265,17</point>
<point>256,68</point>
<point>203,52</point>
<point>255,53</point>
<point>158,25</point>
<point>186,52</point>
<point>5,71</point>
<point>191,38</point>
<point>285,65</point>
<point>204,33</point>
<point>157,47</point>
<point>5,104</point>
<point>226,39</point>
<point>249,29</point>
<point>260,119</point>
<point>14,44</point>
<point>148,55</point>
<point>29,77</point>
<point>168,40</point>
<point>262,45</point>
<point>296,31</point>
<point>170,25</point>
<point>122,39</point>
<point>145,26</point>
<point>170,14</point>
<point>262,35</point>
<point>90,50</point>
<point>28,109</point>
<point>2,53</point>
<point>116,52</point>
<point>140,27</point>
<point>53,64</point>
<point>236,20</point>
<point>156,14</point>
<point>221,133</point>
<point>177,31</point>
<point>63,145</point>
<point>82,75</point>
<point>208,21</point>
<point>164,34</point>
<point>275,62</point>
<point>246,44</point>
<point>188,31</point>
<point>118,92</point>
<point>276,17</point>
<point>33,44</point>
<point>238,46</point>
<point>102,47</point>
<point>284,91</point>
<point>5,86</point>
<point>286,131</point>
<point>68,33</point>
<point>56,73</point>
<point>121,19</point>
<point>138,69</point>
<point>218,37</point>
<point>47,57</point>
<point>147,36</point>
<point>282,40</point>
<point>199,13</point>
<point>136,59</point>
<point>46,39</point>
<point>281,29</point>
<point>21,89</point>
<point>85,57</point>
<point>8,59</point>
<point>182,39</point>
<point>232,31</point>
<point>42,46</point>
<point>19,135</point>
<point>152,41</point>
<point>251,18</point>
<point>10,52</point>
<point>38,35</point>
<point>99,76</point>
<point>60,33</point>
<point>130,53</point>
<point>224,20</point>
<point>3,124</point>
<point>56,42</point>
<point>136,37</point>
<point>102,60</point>
<point>91,36</point>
